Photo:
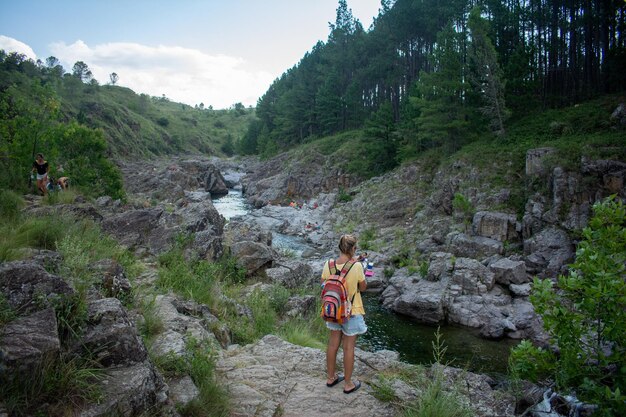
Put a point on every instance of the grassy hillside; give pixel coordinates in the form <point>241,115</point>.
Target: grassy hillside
<point>137,125</point>
<point>85,127</point>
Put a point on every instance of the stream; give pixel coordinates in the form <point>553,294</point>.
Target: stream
<point>387,330</point>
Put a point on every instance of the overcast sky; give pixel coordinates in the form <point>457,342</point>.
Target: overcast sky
<point>218,52</point>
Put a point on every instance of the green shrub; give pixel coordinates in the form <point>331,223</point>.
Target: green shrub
<point>279,296</point>
<point>586,317</point>
<point>199,364</point>
<point>41,232</point>
<point>343,196</point>
<point>530,362</point>
<point>366,239</point>
<point>383,390</point>
<point>10,204</point>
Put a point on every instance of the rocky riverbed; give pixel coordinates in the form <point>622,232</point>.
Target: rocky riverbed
<point>475,274</point>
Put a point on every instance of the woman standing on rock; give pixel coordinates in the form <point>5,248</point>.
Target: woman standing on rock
<point>355,325</point>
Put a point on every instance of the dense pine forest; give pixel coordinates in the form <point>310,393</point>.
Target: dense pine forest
<point>431,74</point>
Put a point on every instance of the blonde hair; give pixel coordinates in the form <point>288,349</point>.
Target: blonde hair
<point>347,244</point>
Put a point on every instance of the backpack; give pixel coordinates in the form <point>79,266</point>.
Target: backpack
<point>336,307</point>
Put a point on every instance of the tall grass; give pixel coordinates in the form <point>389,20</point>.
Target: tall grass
<point>57,387</point>
<point>61,384</point>
<point>302,332</point>
<point>152,323</point>
<point>10,204</point>
<point>199,364</point>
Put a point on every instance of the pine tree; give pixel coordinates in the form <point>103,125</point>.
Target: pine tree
<point>485,73</point>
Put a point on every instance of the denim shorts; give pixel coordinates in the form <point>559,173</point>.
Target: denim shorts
<point>354,326</point>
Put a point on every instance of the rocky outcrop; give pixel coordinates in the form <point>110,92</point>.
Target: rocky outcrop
<point>273,377</point>
<point>281,179</point>
<point>28,288</point>
<point>549,252</point>
<point>464,291</point>
<point>292,274</point>
<point>167,181</point>
<point>153,230</point>
<point>27,343</point>
<point>34,341</point>
<point>499,226</point>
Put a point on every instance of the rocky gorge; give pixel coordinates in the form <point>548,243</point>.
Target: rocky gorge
<point>434,263</point>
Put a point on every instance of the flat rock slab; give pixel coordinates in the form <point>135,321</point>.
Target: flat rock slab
<point>274,377</point>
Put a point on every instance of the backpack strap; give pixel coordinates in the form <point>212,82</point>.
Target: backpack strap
<point>344,271</point>
<point>347,267</point>
<point>331,266</point>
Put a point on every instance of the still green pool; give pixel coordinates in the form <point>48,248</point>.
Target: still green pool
<point>414,341</point>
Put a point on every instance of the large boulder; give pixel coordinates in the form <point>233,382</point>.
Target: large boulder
<point>27,286</point>
<point>292,274</point>
<point>549,252</point>
<point>253,256</point>
<point>182,321</point>
<point>508,271</point>
<point>27,343</point>
<point>477,247</point>
<point>139,228</point>
<point>110,337</point>
<point>470,277</point>
<point>440,266</point>
<point>273,377</point>
<point>498,226</point>
<point>418,298</point>
<point>133,390</point>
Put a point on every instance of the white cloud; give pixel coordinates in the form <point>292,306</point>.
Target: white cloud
<point>182,74</point>
<point>13,45</point>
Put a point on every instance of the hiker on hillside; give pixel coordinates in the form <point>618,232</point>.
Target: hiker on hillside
<point>40,166</point>
<point>63,183</point>
<point>355,325</point>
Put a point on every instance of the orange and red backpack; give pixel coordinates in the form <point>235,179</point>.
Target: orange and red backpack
<point>336,307</point>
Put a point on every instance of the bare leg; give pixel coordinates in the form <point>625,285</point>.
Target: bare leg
<point>42,186</point>
<point>331,354</point>
<point>348,361</point>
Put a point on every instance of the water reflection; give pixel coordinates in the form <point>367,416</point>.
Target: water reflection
<point>413,341</point>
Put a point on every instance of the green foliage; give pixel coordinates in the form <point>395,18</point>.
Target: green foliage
<point>437,400</point>
<point>41,232</point>
<point>199,364</point>
<point>57,387</point>
<point>443,114</point>
<point>278,297</point>
<point>304,332</point>
<point>6,312</point>
<point>464,207</point>
<point>151,324</point>
<point>343,196</point>
<point>530,362</point>
<point>366,238</point>
<point>586,316</point>
<point>10,204</point>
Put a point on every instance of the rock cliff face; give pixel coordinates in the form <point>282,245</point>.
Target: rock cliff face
<point>479,267</point>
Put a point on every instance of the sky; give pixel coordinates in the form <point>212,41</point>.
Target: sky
<point>215,52</point>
